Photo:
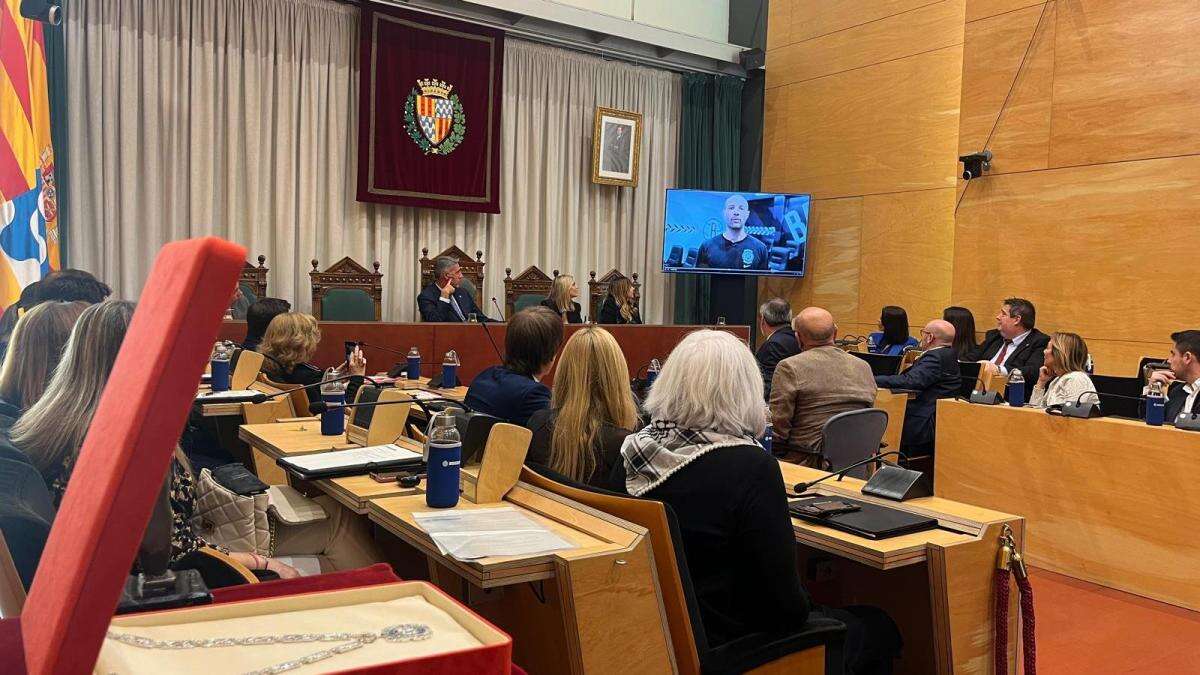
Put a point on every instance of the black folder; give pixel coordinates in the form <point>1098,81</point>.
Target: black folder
<point>871,521</point>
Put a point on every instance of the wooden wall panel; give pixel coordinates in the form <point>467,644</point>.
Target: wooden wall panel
<point>920,30</point>
<point>992,52</point>
<point>981,9</point>
<point>831,278</point>
<point>1089,245</point>
<point>1126,81</point>
<point>907,253</point>
<point>889,127</point>
<point>792,21</point>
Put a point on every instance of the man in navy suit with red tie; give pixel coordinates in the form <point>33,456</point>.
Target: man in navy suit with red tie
<point>1014,344</point>
<point>1182,382</point>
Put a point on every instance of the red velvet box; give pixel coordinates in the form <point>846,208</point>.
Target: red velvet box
<point>121,466</point>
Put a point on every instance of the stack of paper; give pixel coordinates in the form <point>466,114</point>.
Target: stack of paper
<point>480,533</point>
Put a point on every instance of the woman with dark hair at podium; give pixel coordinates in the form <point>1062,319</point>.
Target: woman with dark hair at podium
<point>561,300</point>
<point>620,305</point>
<point>52,432</point>
<point>591,411</point>
<point>893,338</point>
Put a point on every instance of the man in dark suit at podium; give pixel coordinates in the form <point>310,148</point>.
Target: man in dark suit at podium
<point>1014,344</point>
<point>1182,382</point>
<point>443,301</point>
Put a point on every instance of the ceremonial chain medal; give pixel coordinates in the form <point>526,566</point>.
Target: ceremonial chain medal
<point>405,632</point>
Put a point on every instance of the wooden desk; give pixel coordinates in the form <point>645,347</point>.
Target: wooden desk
<point>936,585</point>
<point>433,340</point>
<point>592,609</point>
<point>1107,500</point>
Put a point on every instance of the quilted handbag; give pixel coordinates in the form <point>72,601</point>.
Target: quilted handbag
<point>238,522</point>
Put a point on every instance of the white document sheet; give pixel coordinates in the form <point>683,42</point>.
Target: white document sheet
<point>354,457</point>
<point>480,533</point>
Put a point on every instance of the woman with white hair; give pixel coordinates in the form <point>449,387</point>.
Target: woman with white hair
<point>700,456</point>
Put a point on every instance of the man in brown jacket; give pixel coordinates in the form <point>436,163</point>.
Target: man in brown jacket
<point>816,384</point>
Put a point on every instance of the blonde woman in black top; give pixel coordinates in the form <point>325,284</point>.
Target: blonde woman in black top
<point>562,299</point>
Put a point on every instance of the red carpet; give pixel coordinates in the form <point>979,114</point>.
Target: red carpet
<point>1085,628</point>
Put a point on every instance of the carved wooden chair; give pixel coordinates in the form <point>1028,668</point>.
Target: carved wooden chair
<point>253,280</point>
<point>527,289</point>
<point>346,291</point>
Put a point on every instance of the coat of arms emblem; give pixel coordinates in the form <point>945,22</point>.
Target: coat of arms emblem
<point>434,117</point>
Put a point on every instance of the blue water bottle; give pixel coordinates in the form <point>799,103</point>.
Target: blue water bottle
<point>652,372</point>
<point>333,421</point>
<point>414,364</point>
<point>1016,389</point>
<point>450,370</point>
<point>1156,404</point>
<point>220,366</point>
<point>444,461</point>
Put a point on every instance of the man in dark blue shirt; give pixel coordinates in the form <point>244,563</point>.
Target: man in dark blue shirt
<point>734,249</point>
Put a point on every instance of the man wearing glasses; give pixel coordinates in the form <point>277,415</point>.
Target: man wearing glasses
<point>934,375</point>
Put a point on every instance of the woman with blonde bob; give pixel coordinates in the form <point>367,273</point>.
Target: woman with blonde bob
<point>620,305</point>
<point>592,411</point>
<point>33,354</point>
<point>289,344</point>
<point>1063,377</point>
<point>562,299</point>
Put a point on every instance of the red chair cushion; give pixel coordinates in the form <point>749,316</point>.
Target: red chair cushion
<point>125,455</point>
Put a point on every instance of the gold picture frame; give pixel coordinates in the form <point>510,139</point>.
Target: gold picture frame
<point>616,147</point>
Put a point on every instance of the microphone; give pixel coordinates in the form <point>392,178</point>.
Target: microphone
<point>262,398</point>
<point>1087,410</point>
<point>483,324</point>
<point>320,407</point>
<point>801,488</point>
<point>384,349</point>
<point>848,340</point>
<point>498,310</point>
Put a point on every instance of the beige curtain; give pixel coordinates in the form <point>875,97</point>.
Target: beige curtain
<point>239,118</point>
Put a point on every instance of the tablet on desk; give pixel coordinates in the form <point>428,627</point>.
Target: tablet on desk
<point>871,521</point>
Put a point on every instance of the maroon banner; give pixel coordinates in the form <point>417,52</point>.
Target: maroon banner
<point>429,123</point>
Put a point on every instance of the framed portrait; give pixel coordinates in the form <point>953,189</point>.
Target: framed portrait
<point>616,147</point>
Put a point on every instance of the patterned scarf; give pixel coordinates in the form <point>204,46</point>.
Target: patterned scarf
<point>656,452</point>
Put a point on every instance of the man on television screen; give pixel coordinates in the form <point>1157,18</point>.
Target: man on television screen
<point>734,249</point>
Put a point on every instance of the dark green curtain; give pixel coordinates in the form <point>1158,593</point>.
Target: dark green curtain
<point>709,159</point>
<point>56,79</point>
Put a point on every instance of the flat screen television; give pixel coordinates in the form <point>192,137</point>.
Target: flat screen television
<point>735,233</point>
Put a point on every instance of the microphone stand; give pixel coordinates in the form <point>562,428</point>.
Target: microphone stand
<point>498,310</point>
<point>320,407</point>
<point>801,488</point>
<point>263,398</point>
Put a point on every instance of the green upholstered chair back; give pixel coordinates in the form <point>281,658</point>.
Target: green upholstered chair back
<point>346,291</point>
<point>526,300</point>
<point>347,304</point>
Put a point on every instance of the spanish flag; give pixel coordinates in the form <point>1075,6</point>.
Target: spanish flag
<point>28,206</point>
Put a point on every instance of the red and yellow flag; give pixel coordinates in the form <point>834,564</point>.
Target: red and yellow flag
<point>28,207</point>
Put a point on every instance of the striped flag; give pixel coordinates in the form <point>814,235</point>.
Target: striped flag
<point>28,206</point>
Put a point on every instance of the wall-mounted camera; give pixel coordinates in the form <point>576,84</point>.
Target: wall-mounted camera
<point>42,10</point>
<point>975,164</point>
